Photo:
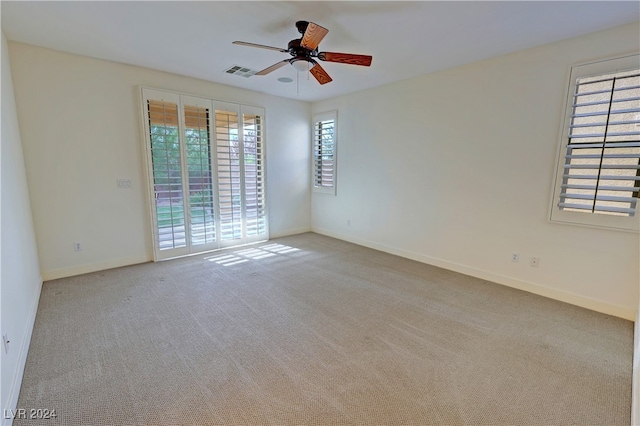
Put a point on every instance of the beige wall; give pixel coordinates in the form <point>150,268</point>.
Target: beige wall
<point>456,168</point>
<point>81,129</point>
<point>20,276</point>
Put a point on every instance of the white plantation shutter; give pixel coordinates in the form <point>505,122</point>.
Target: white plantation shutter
<point>200,160</point>
<point>205,161</point>
<point>241,173</point>
<point>229,175</point>
<point>253,151</point>
<point>324,152</point>
<point>166,171</point>
<point>601,167</point>
<point>598,179</point>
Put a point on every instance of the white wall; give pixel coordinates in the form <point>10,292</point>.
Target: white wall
<point>455,169</point>
<point>635,389</point>
<point>81,130</point>
<point>635,384</point>
<point>20,279</point>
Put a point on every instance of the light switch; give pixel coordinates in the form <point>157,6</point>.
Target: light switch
<point>124,183</point>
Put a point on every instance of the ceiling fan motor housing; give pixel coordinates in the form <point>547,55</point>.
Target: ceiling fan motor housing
<point>297,51</point>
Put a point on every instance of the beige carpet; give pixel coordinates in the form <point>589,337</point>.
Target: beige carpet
<point>311,330</point>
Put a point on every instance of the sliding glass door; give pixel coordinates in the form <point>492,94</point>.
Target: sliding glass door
<point>206,173</point>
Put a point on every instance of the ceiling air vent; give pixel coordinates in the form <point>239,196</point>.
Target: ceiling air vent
<point>241,71</point>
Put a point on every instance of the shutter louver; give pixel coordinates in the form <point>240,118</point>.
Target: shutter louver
<point>602,164</point>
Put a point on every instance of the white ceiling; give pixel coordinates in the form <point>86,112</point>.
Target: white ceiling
<point>406,39</point>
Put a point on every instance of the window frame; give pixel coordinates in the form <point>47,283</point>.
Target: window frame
<point>319,117</point>
<point>557,215</point>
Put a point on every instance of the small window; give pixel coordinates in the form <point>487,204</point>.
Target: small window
<point>598,176</point>
<point>325,149</point>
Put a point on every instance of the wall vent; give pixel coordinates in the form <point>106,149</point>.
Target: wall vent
<point>241,71</point>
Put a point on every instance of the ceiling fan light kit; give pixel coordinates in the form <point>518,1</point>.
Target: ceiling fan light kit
<point>301,64</point>
<point>304,49</point>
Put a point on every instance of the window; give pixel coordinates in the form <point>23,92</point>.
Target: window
<point>598,174</point>
<point>206,173</point>
<point>325,149</point>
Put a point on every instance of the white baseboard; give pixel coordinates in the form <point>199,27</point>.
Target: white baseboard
<point>541,290</point>
<point>635,389</point>
<point>54,274</point>
<point>16,383</point>
<point>287,232</point>
<point>94,267</point>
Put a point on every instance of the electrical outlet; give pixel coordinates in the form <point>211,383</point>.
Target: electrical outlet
<point>5,342</point>
<point>515,257</point>
<point>348,222</point>
<point>77,246</point>
<point>535,262</point>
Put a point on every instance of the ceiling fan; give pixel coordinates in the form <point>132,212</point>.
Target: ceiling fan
<point>304,49</point>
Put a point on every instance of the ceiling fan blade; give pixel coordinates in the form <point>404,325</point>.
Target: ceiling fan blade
<point>320,74</point>
<point>346,58</point>
<point>273,67</point>
<point>312,36</point>
<point>261,46</point>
